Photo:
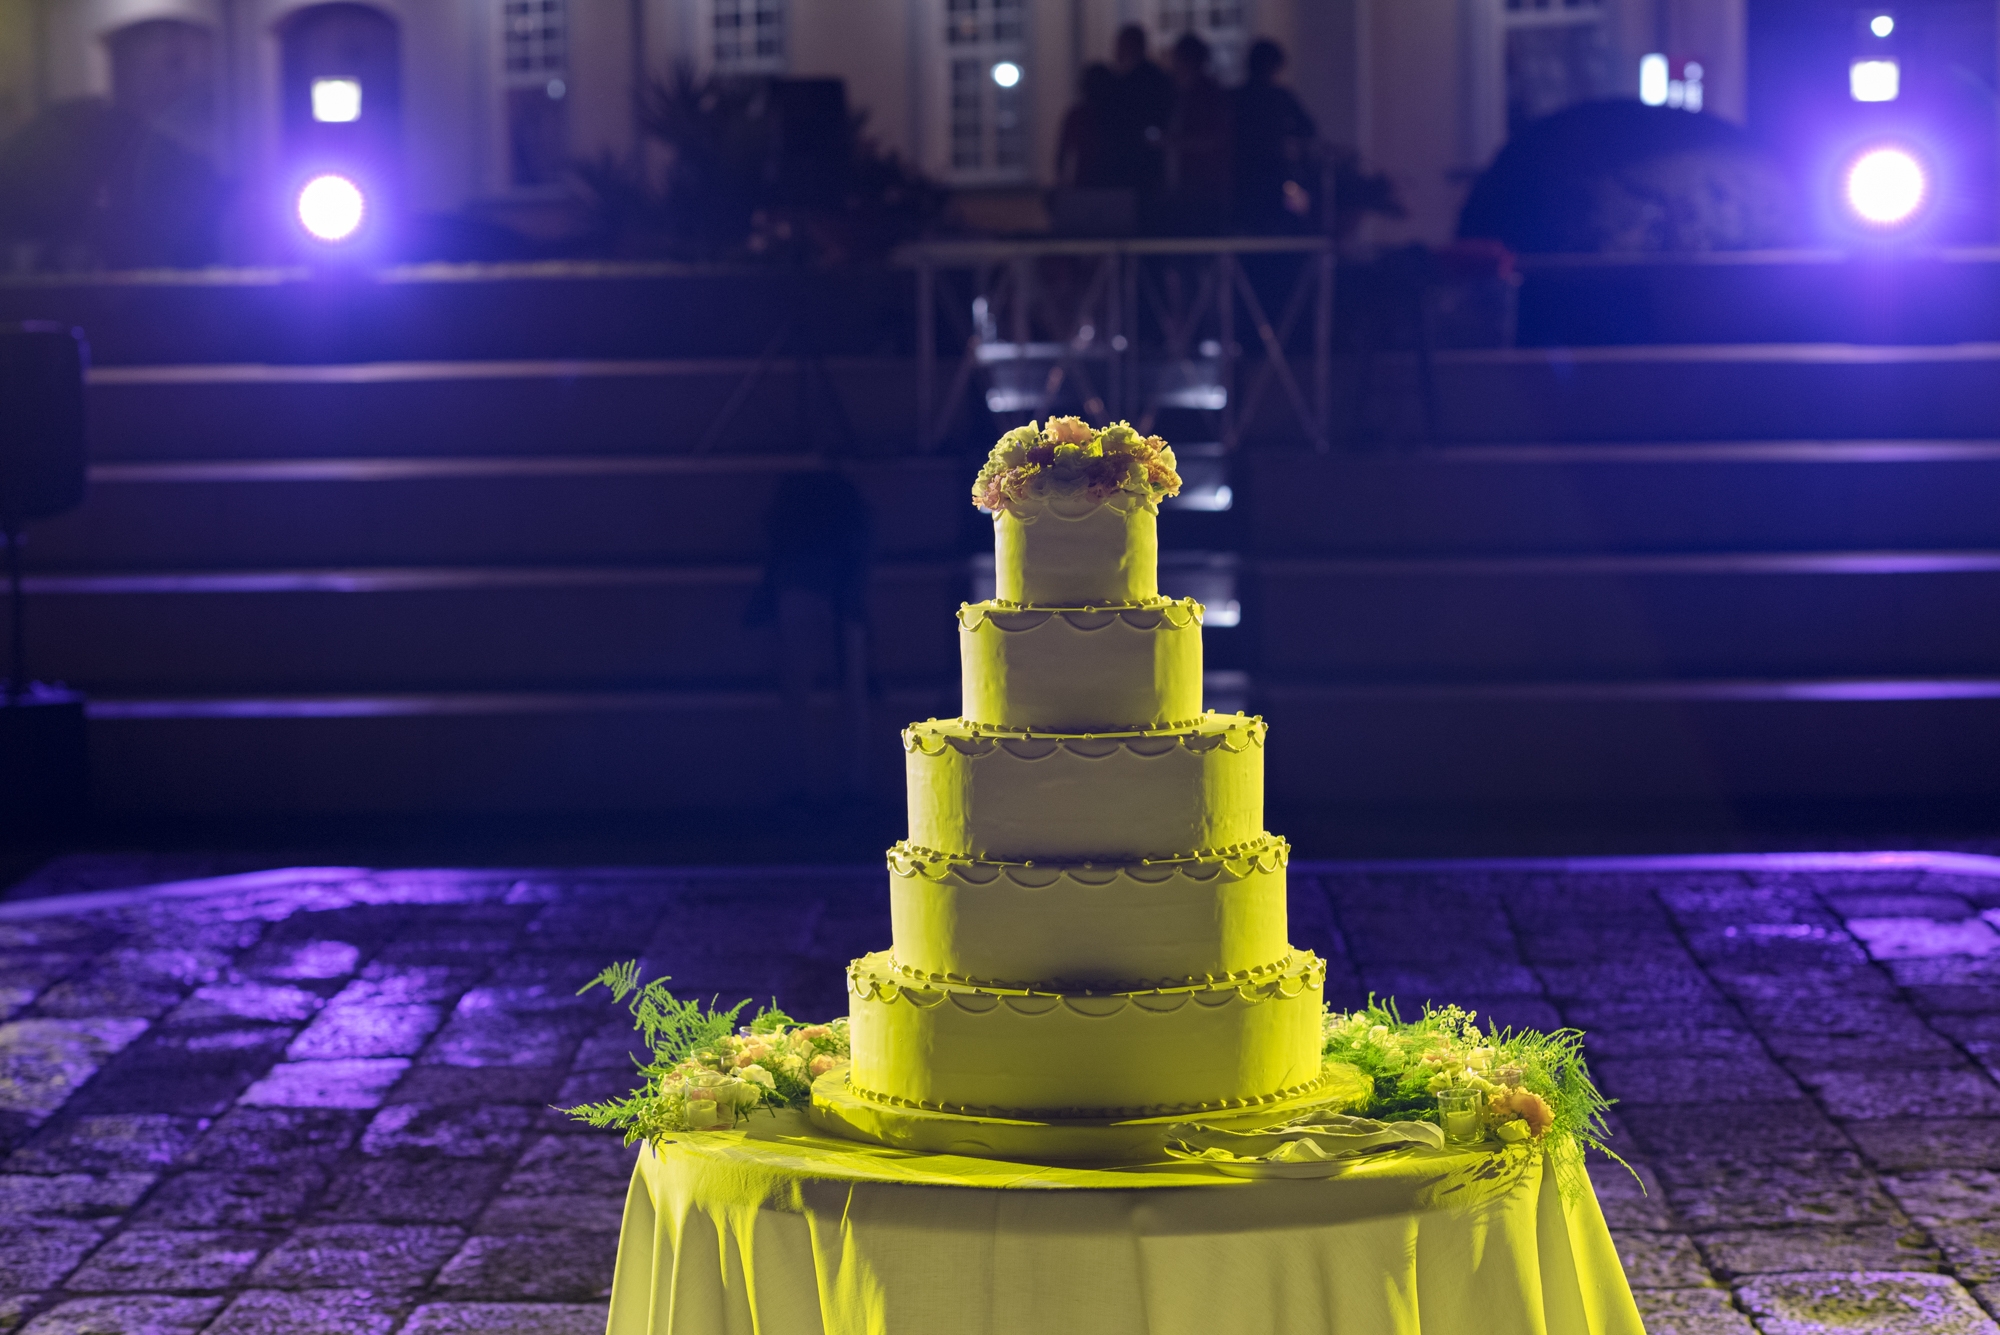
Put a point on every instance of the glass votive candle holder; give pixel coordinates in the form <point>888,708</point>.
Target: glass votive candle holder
<point>1459,1111</point>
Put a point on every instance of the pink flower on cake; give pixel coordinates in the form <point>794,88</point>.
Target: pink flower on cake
<point>1068,431</point>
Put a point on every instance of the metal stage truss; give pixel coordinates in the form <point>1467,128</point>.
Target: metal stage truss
<point>1126,327</point>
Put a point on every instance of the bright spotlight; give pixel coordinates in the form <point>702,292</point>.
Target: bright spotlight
<point>1874,80</point>
<point>1885,187</point>
<point>1653,80</point>
<point>336,100</point>
<point>1006,74</point>
<point>1882,24</point>
<point>331,207</point>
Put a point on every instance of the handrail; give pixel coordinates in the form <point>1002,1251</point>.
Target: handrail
<point>987,250</point>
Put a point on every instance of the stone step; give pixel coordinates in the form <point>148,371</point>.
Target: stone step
<point>1575,744</point>
<point>518,510</point>
<point>1638,497</point>
<point>470,311</point>
<point>667,406</point>
<point>490,752</point>
<point>1589,744</point>
<point>1701,392</point>
<point>439,628</point>
<point>486,408</point>
<point>1489,499</point>
<point>1562,617</point>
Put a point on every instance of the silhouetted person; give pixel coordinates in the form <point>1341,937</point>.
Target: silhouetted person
<point>1273,159</point>
<point>1083,149</point>
<point>815,588</point>
<point>1198,143</point>
<point>1142,101</point>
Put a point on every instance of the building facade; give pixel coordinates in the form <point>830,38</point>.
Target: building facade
<point>483,103</point>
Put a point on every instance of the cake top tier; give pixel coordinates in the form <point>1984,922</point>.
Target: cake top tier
<point>1073,512</point>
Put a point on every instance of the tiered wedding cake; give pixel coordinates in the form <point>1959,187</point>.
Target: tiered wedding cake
<point>1089,916</point>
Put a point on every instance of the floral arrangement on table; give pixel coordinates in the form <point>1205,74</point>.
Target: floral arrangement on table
<point>1067,457</point>
<point>708,1072</point>
<point>1519,1086</point>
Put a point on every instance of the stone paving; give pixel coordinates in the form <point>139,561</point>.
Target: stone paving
<point>319,1101</point>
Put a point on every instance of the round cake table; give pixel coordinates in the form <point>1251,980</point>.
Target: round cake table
<point>779,1229</point>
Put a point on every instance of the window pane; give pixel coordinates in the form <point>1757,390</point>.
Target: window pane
<point>1550,66</point>
<point>1010,131</point>
<point>749,35</point>
<point>967,98</point>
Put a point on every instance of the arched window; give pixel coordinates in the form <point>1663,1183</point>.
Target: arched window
<point>986,55</point>
<point>534,71</point>
<point>342,92</point>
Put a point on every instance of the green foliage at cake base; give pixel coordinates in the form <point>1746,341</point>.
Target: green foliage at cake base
<point>1527,1088</point>
<point>706,1071</point>
<point>1522,1085</point>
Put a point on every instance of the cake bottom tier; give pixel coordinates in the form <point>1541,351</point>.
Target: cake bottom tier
<point>839,1110</point>
<point>987,1051</point>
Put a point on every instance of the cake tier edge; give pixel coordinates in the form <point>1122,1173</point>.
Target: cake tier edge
<point>1074,669</point>
<point>1071,550</point>
<point>1213,917</point>
<point>1012,794</point>
<point>1020,1053</point>
<point>838,1108</point>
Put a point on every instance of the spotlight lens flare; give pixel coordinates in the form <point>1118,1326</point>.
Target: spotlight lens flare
<point>336,101</point>
<point>331,207</point>
<point>1874,80</point>
<point>1882,24</point>
<point>1885,187</point>
<point>1007,74</point>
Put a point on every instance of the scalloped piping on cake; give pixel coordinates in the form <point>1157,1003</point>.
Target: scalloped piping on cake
<point>997,613</point>
<point>1235,862</point>
<point>1299,971</point>
<point>1095,1114</point>
<point>1070,989</point>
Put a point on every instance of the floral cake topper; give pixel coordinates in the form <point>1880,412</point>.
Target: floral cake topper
<point>1066,457</point>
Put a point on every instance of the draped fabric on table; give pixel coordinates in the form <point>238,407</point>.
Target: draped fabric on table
<point>783,1231</point>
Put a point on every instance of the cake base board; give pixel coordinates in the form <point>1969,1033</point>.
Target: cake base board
<point>837,1109</point>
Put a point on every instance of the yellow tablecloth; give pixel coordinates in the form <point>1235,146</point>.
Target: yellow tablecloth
<point>780,1230</point>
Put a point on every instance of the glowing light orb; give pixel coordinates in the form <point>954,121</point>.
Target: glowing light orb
<point>1653,79</point>
<point>1007,74</point>
<point>337,101</point>
<point>331,207</point>
<point>1874,80</point>
<point>1885,187</point>
<point>1882,24</point>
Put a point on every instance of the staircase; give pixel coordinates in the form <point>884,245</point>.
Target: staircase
<point>480,546</point>
<point>1716,623</point>
<point>468,586</point>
